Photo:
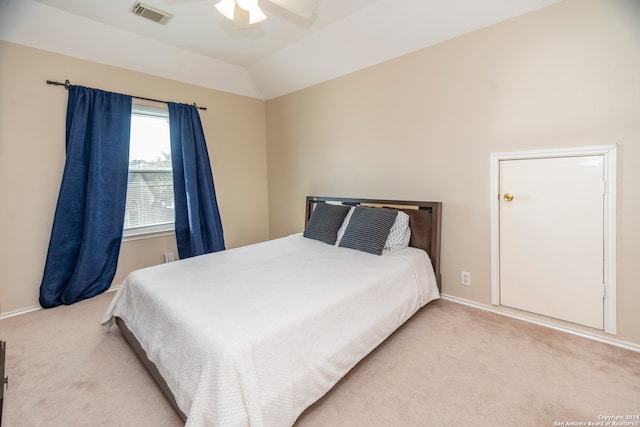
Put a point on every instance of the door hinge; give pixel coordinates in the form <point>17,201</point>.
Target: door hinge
<point>604,290</point>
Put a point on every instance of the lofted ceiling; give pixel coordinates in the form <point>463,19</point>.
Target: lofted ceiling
<point>280,55</point>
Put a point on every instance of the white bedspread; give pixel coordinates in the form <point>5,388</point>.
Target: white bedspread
<point>254,335</point>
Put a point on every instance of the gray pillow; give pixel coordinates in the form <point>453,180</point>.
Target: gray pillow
<point>368,229</point>
<point>325,221</point>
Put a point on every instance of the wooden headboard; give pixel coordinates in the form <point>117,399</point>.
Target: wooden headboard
<point>425,219</point>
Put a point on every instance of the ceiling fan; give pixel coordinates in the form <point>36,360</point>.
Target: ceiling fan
<point>249,10</point>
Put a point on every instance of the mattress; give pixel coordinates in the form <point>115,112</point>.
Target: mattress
<point>255,335</point>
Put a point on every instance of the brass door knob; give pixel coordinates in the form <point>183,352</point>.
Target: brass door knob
<point>508,197</point>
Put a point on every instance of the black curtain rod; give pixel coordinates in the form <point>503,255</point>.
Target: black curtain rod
<point>67,83</point>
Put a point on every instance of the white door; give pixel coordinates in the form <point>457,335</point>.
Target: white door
<point>551,229</point>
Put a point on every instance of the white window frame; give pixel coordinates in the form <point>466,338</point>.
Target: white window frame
<point>147,232</point>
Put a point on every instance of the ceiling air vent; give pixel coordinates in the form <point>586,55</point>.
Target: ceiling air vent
<point>154,15</point>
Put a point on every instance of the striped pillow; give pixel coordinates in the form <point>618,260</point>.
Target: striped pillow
<point>368,229</point>
<point>325,221</point>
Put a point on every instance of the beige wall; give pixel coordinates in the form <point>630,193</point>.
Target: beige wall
<point>32,132</point>
<point>422,127</point>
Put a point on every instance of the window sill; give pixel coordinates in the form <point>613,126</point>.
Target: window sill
<point>146,234</point>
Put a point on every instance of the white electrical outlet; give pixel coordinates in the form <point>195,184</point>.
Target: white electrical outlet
<point>168,257</point>
<point>465,278</point>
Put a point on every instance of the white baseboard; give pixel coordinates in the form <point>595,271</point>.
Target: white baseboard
<point>19,312</point>
<point>618,343</point>
<point>37,307</point>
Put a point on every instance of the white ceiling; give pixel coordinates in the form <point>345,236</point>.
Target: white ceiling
<point>283,54</point>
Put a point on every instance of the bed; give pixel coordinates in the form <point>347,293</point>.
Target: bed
<point>255,335</point>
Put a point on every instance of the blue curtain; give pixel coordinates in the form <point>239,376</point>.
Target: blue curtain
<point>197,219</point>
<point>87,227</point>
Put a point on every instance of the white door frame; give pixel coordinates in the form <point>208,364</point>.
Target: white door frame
<point>609,154</point>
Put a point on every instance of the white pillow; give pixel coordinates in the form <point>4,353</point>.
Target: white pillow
<point>344,225</point>
<point>400,233</point>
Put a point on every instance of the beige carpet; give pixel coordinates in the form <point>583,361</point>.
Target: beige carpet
<point>450,365</point>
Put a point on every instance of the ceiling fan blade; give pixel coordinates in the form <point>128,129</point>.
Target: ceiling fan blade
<point>304,8</point>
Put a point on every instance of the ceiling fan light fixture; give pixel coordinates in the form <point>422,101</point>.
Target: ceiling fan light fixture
<point>227,8</point>
<point>247,5</point>
<point>255,13</point>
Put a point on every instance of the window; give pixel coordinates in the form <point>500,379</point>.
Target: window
<point>149,209</point>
